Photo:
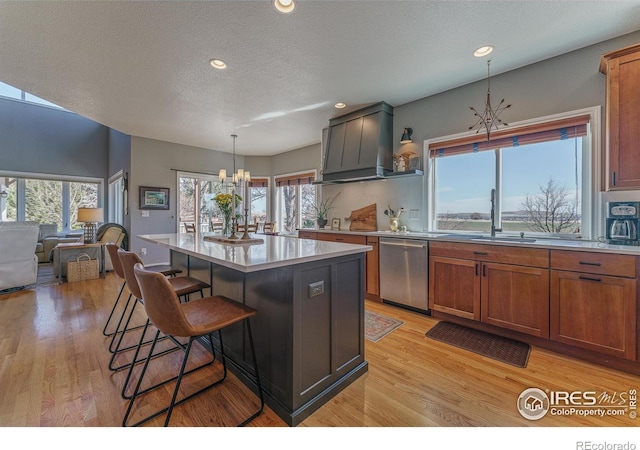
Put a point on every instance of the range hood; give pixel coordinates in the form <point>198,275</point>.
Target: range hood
<point>359,146</point>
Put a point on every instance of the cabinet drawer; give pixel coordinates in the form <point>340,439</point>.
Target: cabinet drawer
<point>591,262</point>
<point>307,234</point>
<point>522,256</point>
<point>346,238</point>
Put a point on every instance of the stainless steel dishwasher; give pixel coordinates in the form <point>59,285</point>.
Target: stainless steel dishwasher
<point>404,273</point>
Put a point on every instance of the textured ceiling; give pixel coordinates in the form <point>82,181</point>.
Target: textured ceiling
<point>142,68</point>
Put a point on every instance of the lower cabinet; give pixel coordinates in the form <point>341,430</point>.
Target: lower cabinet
<point>516,298</point>
<point>510,296</point>
<point>592,309</point>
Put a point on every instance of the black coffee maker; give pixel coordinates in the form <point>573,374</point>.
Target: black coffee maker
<point>623,220</point>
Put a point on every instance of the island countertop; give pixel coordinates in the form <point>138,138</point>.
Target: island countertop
<point>274,251</point>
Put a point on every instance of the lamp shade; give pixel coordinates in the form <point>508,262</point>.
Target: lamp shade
<point>90,215</point>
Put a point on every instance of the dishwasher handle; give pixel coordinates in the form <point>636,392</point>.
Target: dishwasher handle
<point>404,245</point>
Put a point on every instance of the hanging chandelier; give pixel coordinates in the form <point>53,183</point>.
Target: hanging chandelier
<point>239,179</point>
<point>237,176</point>
<point>490,118</point>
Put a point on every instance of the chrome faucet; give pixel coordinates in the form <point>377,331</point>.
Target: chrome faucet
<point>493,214</point>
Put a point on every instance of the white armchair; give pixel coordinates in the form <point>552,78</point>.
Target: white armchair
<point>18,261</point>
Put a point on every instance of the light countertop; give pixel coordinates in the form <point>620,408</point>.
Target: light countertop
<point>275,251</point>
<point>470,238</point>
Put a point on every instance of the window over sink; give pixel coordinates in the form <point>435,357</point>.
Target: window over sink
<point>541,172</point>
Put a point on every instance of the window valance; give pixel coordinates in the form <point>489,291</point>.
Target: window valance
<point>513,137</point>
<point>295,180</point>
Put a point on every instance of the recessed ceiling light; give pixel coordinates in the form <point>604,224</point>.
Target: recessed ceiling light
<point>218,64</point>
<point>340,105</point>
<point>285,6</point>
<point>483,51</point>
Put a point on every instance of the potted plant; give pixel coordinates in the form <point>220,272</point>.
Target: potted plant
<point>322,209</point>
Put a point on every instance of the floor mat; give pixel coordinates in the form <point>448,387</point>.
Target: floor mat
<point>499,348</point>
<point>377,326</point>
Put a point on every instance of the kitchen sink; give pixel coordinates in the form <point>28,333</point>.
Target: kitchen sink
<point>479,237</point>
<point>503,239</point>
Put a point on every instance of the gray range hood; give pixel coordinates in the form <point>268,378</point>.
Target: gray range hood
<point>359,146</point>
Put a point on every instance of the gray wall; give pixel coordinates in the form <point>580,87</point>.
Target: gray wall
<point>152,164</point>
<point>120,159</point>
<point>41,139</point>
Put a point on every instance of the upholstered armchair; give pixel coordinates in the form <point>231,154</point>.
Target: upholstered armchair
<point>47,241</point>
<point>18,262</point>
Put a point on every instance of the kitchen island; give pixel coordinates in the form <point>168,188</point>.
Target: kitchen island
<point>309,331</point>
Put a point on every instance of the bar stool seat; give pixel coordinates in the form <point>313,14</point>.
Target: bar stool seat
<point>112,249</point>
<point>199,318</point>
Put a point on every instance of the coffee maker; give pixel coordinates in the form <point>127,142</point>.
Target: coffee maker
<point>623,220</point>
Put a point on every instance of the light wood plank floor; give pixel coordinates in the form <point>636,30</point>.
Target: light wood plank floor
<point>54,372</point>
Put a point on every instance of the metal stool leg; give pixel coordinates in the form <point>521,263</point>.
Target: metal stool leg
<point>113,309</point>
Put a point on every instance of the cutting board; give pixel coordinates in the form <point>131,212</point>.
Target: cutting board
<point>364,219</point>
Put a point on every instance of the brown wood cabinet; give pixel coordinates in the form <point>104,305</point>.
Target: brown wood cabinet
<point>593,302</point>
<point>373,267</point>
<point>372,258</point>
<point>303,234</point>
<point>622,68</point>
<point>491,284</point>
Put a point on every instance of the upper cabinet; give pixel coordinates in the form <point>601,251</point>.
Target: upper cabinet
<point>360,144</point>
<point>622,68</point>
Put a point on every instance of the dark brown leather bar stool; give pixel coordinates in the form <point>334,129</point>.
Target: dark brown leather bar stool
<point>117,268</point>
<point>183,286</point>
<point>193,320</point>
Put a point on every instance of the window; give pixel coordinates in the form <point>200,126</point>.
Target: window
<point>258,196</point>
<point>195,200</point>
<point>295,197</point>
<point>540,173</point>
<point>48,200</point>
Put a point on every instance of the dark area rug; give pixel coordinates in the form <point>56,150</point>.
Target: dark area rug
<point>499,348</point>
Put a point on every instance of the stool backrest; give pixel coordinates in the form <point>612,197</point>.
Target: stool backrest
<point>161,303</point>
<point>115,259</point>
<point>128,260</point>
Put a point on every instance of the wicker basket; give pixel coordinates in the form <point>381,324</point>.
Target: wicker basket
<point>83,268</point>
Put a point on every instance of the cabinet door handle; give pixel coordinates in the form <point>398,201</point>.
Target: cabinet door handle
<point>484,270</point>
<point>588,263</point>
<point>477,269</point>
<point>339,239</point>
<point>481,253</point>
<point>590,278</point>
<point>613,178</point>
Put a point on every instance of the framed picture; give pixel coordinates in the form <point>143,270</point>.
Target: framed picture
<point>335,224</point>
<point>154,197</point>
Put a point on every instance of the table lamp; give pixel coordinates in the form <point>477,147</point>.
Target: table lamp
<point>90,217</point>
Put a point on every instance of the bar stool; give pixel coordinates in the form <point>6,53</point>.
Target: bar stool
<point>193,320</point>
<point>182,286</point>
<point>112,249</point>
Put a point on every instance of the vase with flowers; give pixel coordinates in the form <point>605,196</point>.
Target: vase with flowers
<point>223,201</point>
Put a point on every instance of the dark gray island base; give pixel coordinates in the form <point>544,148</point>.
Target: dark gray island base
<point>309,331</point>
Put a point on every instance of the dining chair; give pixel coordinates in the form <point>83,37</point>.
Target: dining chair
<point>189,227</point>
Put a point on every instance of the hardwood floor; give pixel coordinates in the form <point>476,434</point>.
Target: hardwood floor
<point>54,373</point>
